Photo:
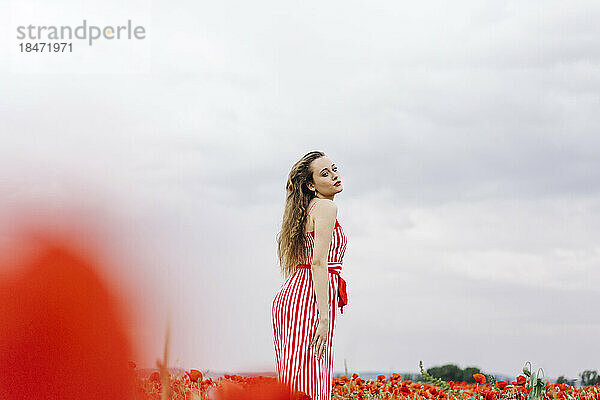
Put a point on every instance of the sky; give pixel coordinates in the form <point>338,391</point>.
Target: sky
<point>466,135</point>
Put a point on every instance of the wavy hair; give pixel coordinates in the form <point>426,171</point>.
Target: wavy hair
<point>291,238</point>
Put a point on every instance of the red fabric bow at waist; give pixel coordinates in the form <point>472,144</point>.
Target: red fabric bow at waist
<point>342,295</point>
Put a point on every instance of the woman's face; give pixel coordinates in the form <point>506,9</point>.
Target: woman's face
<point>325,177</point>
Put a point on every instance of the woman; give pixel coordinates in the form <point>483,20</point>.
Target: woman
<point>311,248</point>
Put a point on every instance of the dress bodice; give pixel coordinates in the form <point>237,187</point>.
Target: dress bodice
<point>337,247</point>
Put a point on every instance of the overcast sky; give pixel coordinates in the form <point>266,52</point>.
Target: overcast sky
<point>466,134</point>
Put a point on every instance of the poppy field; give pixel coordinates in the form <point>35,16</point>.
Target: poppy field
<point>192,386</point>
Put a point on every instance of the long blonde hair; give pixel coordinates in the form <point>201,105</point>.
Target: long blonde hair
<point>291,238</point>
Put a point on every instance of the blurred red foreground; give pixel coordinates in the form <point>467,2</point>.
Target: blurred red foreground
<point>62,334</point>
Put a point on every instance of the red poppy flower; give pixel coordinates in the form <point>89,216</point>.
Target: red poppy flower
<point>521,380</point>
<point>489,395</point>
<point>405,389</point>
<point>479,378</point>
<point>154,377</point>
<point>194,375</point>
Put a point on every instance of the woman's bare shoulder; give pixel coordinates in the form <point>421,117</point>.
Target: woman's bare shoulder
<point>325,207</point>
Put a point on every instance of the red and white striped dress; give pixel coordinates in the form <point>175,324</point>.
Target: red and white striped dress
<point>295,321</point>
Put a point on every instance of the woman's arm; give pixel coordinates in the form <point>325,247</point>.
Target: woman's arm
<point>324,214</point>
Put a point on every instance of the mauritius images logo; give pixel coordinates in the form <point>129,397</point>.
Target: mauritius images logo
<point>90,33</point>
